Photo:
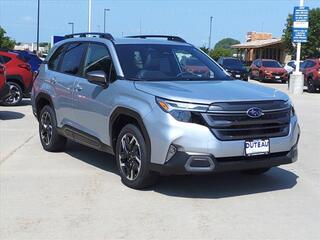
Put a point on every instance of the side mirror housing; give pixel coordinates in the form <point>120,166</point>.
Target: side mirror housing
<point>98,77</point>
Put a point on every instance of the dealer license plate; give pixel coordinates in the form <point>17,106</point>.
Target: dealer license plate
<point>257,147</point>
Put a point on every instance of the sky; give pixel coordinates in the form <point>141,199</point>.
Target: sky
<point>188,19</point>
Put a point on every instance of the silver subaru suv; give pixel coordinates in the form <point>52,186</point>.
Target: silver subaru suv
<point>161,106</point>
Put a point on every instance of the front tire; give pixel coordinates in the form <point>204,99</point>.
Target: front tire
<point>310,85</point>
<point>132,159</point>
<point>256,171</point>
<point>16,94</point>
<point>50,139</point>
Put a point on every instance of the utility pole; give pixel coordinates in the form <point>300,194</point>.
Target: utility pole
<point>209,45</point>
<point>38,27</point>
<point>89,15</point>
<point>72,27</point>
<point>104,18</point>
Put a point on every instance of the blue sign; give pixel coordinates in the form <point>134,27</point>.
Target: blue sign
<point>300,24</point>
<point>56,39</point>
<point>300,35</point>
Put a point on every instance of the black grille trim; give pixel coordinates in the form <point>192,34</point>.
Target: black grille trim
<point>237,125</point>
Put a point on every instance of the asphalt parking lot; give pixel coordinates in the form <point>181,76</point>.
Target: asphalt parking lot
<point>77,194</point>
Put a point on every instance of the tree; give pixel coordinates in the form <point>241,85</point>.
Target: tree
<point>226,43</point>
<point>216,53</point>
<point>310,49</point>
<point>205,49</point>
<point>5,41</point>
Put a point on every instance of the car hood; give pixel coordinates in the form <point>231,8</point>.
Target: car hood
<point>239,69</point>
<point>207,92</point>
<point>275,70</point>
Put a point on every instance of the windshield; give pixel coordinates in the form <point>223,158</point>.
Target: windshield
<point>232,62</point>
<point>167,62</point>
<point>271,64</point>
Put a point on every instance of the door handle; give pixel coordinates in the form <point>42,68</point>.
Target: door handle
<point>78,88</point>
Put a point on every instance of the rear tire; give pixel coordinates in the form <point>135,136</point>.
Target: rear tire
<point>132,159</point>
<point>256,171</point>
<point>50,139</point>
<point>15,96</point>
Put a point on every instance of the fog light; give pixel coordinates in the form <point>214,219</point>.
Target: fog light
<point>171,152</point>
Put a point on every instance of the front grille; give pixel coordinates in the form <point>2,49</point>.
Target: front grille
<point>236,125</point>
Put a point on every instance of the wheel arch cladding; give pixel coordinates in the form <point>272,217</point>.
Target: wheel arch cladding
<point>122,116</point>
<point>16,79</point>
<point>41,101</point>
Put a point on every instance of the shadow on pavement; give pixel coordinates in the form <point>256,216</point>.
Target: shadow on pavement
<point>226,184</point>
<point>9,115</point>
<point>93,157</point>
<point>220,185</point>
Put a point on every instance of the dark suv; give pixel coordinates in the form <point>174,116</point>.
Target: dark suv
<point>19,77</point>
<point>234,67</point>
<point>311,71</point>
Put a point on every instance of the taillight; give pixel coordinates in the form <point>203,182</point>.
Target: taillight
<point>25,66</point>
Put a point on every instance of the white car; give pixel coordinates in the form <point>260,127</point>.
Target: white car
<point>291,66</point>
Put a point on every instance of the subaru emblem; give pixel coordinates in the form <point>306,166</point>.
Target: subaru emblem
<point>254,112</point>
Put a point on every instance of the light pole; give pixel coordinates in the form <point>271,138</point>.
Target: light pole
<point>38,26</point>
<point>209,45</point>
<point>104,18</point>
<point>72,27</point>
<point>89,16</point>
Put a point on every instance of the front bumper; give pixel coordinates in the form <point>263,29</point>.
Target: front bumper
<point>187,163</point>
<point>197,140</point>
<point>4,92</point>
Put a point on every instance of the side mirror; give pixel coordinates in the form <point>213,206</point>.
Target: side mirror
<point>98,77</point>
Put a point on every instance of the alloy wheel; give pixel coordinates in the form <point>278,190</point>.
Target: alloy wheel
<point>130,156</point>
<point>46,128</point>
<point>15,95</point>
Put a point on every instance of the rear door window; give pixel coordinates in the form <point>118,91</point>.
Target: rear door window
<point>53,62</point>
<point>71,62</point>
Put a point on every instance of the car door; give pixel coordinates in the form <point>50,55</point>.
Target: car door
<point>93,100</point>
<point>64,80</point>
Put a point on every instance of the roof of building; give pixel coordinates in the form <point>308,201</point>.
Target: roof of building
<point>258,43</point>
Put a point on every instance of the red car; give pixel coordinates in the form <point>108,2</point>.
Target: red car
<point>4,87</point>
<point>311,71</point>
<point>268,69</point>
<point>19,77</point>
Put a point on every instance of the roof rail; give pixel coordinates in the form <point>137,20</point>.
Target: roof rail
<point>87,34</point>
<point>168,37</point>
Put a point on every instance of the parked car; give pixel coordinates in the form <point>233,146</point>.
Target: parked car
<point>31,58</point>
<point>234,67</point>
<point>19,77</point>
<point>311,71</point>
<point>4,87</point>
<point>291,66</point>
<point>131,97</point>
<point>268,69</point>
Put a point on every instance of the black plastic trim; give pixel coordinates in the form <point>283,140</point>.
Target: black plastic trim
<point>126,111</point>
<point>84,138</point>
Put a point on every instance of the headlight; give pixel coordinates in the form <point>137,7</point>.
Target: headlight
<point>292,111</point>
<point>181,111</point>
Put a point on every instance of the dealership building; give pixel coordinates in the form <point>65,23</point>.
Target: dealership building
<point>261,45</point>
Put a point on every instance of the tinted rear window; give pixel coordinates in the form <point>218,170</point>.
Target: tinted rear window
<point>72,58</point>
